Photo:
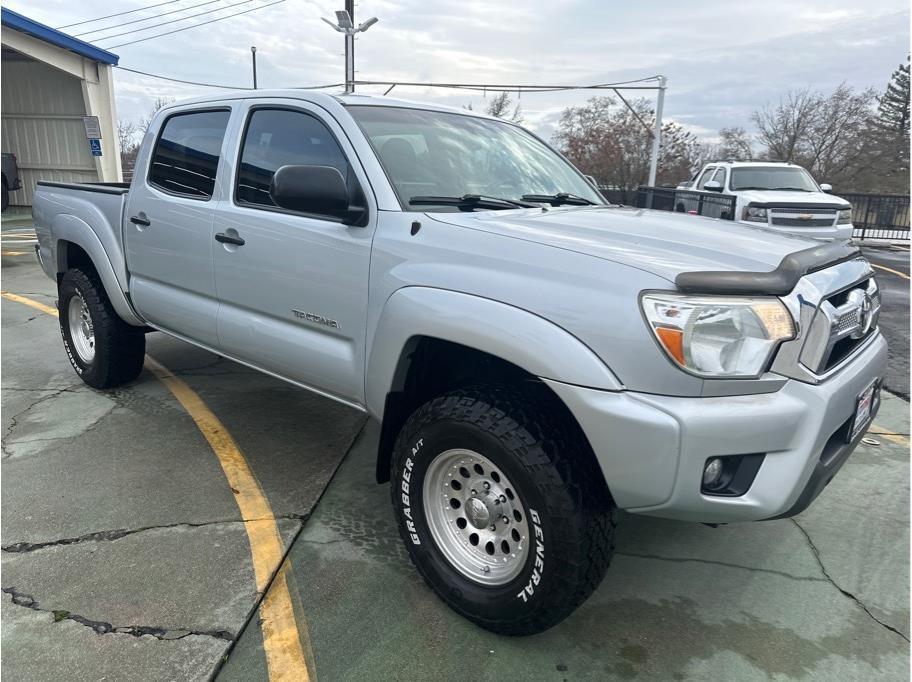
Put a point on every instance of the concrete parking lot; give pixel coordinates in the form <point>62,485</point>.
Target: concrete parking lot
<point>128,553</point>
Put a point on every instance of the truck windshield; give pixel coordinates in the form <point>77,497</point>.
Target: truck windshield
<point>773,177</point>
<point>430,154</point>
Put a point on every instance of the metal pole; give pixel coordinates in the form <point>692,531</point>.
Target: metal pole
<point>350,49</point>
<point>657,134</point>
<point>253,54</point>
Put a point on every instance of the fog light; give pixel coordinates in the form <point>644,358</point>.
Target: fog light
<point>712,472</point>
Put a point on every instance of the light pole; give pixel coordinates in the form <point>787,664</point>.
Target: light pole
<point>657,135</point>
<point>344,24</point>
<point>253,54</point>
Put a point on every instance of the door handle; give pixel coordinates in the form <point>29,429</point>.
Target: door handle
<point>136,220</point>
<point>228,239</point>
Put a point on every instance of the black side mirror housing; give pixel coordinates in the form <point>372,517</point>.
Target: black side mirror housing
<point>319,190</point>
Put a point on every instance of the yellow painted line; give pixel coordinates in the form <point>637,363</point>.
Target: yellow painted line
<point>29,302</point>
<point>281,642</point>
<point>14,253</point>
<point>897,438</point>
<point>281,639</point>
<point>895,272</point>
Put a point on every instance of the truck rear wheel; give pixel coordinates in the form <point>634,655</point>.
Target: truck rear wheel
<point>502,509</point>
<point>104,350</point>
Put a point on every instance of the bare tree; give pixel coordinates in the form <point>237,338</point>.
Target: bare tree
<point>784,127</point>
<point>613,143</point>
<point>130,135</point>
<point>825,133</point>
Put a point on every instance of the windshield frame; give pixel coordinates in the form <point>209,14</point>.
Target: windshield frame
<point>773,167</point>
<point>404,201</point>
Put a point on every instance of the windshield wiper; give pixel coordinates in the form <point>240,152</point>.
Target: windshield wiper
<point>790,189</point>
<point>469,202</point>
<point>559,199</point>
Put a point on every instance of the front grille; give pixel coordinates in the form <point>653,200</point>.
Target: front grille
<point>803,217</point>
<point>849,328</point>
<point>799,222</point>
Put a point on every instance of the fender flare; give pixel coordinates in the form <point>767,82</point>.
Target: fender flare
<point>70,229</point>
<point>533,343</point>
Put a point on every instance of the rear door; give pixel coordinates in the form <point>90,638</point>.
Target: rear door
<point>293,296</point>
<point>168,231</point>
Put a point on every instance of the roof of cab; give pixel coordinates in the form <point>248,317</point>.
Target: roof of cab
<point>324,98</point>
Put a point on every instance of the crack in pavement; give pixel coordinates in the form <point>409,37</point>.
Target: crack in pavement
<point>755,569</point>
<point>104,628</point>
<point>118,533</point>
<point>14,420</point>
<point>844,592</point>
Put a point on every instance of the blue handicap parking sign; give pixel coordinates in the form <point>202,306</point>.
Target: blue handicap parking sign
<point>95,146</point>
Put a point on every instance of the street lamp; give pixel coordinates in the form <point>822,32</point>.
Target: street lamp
<point>344,24</point>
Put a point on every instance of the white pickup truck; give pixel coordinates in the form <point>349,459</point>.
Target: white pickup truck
<point>780,196</point>
<point>538,358</point>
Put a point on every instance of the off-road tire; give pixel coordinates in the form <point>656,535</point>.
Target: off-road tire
<point>555,475</point>
<point>119,347</point>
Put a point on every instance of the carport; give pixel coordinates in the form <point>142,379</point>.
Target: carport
<point>51,83</point>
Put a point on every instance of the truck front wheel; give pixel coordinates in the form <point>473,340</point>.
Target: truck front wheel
<point>104,350</point>
<point>502,508</point>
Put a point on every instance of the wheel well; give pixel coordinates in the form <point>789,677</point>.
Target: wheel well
<point>71,255</point>
<point>429,367</point>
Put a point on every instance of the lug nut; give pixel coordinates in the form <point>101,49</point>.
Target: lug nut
<point>493,527</point>
<point>486,569</point>
<point>487,486</point>
<point>474,492</point>
<point>505,519</point>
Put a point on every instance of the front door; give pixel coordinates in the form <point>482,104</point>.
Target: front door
<point>168,230</point>
<point>293,295</point>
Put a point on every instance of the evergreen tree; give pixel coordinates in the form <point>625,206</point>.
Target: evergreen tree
<point>893,112</point>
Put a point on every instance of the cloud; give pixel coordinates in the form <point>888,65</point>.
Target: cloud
<point>722,61</point>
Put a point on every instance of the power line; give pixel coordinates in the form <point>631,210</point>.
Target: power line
<point>137,21</point>
<point>500,87</point>
<point>187,28</point>
<point>119,14</point>
<point>178,80</point>
<point>172,21</point>
<point>224,87</point>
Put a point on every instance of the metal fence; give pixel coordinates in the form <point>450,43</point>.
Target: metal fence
<point>709,204</point>
<point>879,216</point>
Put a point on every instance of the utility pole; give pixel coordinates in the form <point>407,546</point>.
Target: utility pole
<point>657,134</point>
<point>350,49</point>
<point>253,54</point>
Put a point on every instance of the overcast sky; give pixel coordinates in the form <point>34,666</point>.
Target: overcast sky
<point>722,59</point>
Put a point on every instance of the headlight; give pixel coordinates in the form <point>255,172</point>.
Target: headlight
<point>718,336</point>
<point>753,214</point>
<point>845,216</point>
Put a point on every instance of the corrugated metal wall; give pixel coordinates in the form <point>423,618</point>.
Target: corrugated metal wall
<point>42,110</point>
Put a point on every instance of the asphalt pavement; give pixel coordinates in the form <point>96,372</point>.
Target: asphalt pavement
<point>125,555</point>
<point>891,265</point>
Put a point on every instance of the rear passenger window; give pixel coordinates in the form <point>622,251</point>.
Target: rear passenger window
<point>186,155</point>
<point>279,137</point>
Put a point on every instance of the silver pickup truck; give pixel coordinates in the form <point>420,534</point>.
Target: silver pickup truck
<point>538,357</point>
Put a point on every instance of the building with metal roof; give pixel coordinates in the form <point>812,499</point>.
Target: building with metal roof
<point>57,108</point>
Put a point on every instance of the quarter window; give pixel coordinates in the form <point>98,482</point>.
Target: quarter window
<point>280,137</point>
<point>185,158</point>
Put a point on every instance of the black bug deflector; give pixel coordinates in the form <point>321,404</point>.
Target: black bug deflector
<point>778,282</point>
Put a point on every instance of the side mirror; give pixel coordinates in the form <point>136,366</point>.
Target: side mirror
<point>826,187</point>
<point>712,186</point>
<point>313,189</point>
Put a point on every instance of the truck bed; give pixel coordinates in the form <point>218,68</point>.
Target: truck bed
<point>60,209</point>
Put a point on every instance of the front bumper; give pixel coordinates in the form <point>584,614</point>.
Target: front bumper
<point>652,449</point>
<point>828,233</point>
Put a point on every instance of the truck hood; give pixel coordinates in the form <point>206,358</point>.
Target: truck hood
<point>664,244</point>
<point>773,198</point>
